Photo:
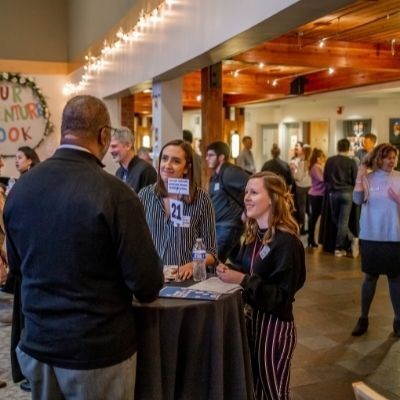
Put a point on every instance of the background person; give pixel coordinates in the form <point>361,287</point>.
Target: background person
<point>175,244</point>
<point>134,171</point>
<point>226,189</point>
<point>300,171</point>
<point>197,160</point>
<point>144,153</point>
<point>378,193</point>
<point>340,176</point>
<point>272,270</point>
<point>278,166</point>
<point>25,159</point>
<point>316,192</point>
<point>368,143</point>
<point>82,248</point>
<point>245,158</point>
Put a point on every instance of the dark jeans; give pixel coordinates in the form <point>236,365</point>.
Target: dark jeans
<point>341,203</point>
<point>228,240</point>
<point>316,209</point>
<point>301,202</point>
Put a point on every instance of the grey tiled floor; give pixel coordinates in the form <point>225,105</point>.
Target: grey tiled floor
<point>327,358</point>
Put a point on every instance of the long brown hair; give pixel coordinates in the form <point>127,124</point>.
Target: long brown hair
<point>316,153</point>
<point>160,188</point>
<point>281,212</point>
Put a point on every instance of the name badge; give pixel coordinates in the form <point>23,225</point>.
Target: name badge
<point>264,251</point>
<point>216,187</point>
<point>184,223</point>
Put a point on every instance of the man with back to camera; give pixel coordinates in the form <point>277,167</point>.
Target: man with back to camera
<point>340,177</point>
<point>226,189</point>
<point>278,166</point>
<point>136,172</point>
<point>245,159</point>
<point>78,238</point>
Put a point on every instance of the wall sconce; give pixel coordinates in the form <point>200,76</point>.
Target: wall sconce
<point>235,144</point>
<point>146,141</point>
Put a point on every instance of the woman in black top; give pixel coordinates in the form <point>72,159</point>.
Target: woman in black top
<point>272,269</point>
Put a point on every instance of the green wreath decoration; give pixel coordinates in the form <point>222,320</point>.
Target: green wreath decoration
<point>23,81</point>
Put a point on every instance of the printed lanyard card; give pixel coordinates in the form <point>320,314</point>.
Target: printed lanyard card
<point>178,186</point>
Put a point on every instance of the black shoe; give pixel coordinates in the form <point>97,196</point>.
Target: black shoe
<point>396,328</point>
<point>361,327</point>
<point>3,384</point>
<point>25,386</point>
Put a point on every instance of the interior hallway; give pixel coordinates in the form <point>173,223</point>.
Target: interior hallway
<point>327,358</point>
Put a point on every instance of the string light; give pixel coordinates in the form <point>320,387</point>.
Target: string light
<point>261,65</point>
<point>97,63</point>
<point>321,43</point>
<point>331,70</point>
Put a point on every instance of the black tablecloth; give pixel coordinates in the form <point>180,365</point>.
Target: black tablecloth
<point>192,350</point>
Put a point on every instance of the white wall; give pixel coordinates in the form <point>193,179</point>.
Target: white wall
<point>320,108</point>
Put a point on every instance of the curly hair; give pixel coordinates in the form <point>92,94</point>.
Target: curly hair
<point>373,160</point>
<point>281,212</point>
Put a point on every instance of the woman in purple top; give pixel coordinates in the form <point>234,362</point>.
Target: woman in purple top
<point>316,192</point>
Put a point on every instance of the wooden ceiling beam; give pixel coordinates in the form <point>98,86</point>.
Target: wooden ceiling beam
<point>332,54</point>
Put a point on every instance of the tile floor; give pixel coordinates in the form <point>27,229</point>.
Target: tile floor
<point>327,358</point>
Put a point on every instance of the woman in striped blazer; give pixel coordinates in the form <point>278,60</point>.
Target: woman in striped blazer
<point>271,270</point>
<point>174,243</point>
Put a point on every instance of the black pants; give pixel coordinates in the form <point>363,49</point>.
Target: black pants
<point>315,211</point>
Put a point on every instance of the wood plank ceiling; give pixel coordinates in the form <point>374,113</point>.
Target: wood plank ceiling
<point>354,46</point>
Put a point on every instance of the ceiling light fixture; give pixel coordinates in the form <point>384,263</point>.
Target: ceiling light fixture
<point>331,70</point>
<point>321,43</point>
<point>261,65</point>
<point>392,47</point>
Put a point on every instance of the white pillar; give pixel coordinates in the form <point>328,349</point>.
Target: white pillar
<point>167,113</point>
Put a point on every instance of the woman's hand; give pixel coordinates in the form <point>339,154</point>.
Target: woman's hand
<point>186,271</point>
<point>394,196</point>
<point>229,275</point>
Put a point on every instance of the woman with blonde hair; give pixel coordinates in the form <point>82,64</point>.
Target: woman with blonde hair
<point>377,190</point>
<point>271,270</point>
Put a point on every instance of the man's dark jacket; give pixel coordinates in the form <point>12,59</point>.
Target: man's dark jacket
<point>139,174</point>
<point>226,189</point>
<point>78,237</point>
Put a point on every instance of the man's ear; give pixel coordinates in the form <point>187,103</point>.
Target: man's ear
<point>103,137</point>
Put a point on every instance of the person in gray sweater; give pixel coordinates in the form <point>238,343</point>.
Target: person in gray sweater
<point>377,189</point>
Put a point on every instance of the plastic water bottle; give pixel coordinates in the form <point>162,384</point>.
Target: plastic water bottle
<point>199,261</point>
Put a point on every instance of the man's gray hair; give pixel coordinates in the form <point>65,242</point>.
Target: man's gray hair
<point>124,135</point>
